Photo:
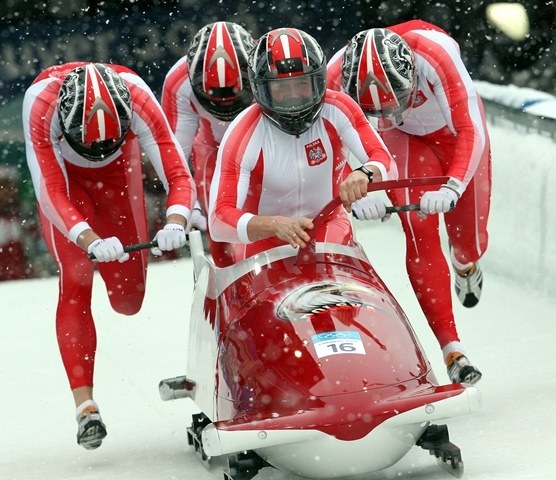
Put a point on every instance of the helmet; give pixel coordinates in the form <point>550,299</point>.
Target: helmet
<point>291,61</point>
<point>217,63</point>
<point>94,108</point>
<point>378,72</point>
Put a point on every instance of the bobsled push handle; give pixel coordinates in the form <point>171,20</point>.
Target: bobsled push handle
<point>135,247</point>
<point>138,246</point>
<point>373,187</point>
<point>132,248</point>
<point>309,250</point>
<point>398,208</point>
<point>403,208</point>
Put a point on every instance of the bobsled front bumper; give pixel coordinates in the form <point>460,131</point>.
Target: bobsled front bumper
<point>299,443</point>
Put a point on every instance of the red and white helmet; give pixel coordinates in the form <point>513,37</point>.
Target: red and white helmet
<point>288,55</point>
<point>378,72</point>
<point>95,110</point>
<point>217,63</point>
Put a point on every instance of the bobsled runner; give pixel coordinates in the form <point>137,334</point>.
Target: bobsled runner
<point>304,361</point>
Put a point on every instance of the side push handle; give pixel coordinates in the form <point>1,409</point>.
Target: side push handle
<point>403,208</point>
<point>133,248</point>
<point>372,187</point>
<point>399,208</point>
<point>307,254</point>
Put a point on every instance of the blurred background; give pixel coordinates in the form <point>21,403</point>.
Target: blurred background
<point>511,43</point>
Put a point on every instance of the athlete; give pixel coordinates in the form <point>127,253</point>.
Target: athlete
<point>85,127</point>
<point>285,157</point>
<point>202,93</point>
<point>411,78</point>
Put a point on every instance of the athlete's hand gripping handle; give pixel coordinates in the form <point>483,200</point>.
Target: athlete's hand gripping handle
<point>172,236</point>
<point>107,250</point>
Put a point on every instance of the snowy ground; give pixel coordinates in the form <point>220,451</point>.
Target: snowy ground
<point>509,336</point>
<point>512,438</point>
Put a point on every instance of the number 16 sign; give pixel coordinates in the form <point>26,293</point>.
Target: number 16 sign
<point>337,343</point>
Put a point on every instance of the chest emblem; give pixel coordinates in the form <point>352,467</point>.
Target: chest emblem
<point>315,153</point>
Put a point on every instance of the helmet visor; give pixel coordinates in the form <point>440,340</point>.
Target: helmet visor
<point>225,104</point>
<point>95,150</point>
<point>393,105</point>
<point>291,95</point>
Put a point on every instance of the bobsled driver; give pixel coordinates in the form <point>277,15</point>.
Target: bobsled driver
<point>433,122</point>
<point>85,125</point>
<point>202,93</point>
<point>284,158</point>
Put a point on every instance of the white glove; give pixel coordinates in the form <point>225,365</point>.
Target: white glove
<point>197,221</point>
<point>170,237</point>
<point>107,250</point>
<point>370,207</point>
<point>442,200</point>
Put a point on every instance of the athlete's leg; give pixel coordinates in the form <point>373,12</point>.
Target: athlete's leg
<point>426,264</point>
<point>203,160</point>
<point>466,225</point>
<point>222,253</point>
<point>75,329</point>
<point>127,220</point>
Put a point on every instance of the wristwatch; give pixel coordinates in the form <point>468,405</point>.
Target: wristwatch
<point>367,172</point>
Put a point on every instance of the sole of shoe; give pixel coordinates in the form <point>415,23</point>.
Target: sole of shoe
<point>93,435</point>
<point>470,301</point>
<point>470,375</point>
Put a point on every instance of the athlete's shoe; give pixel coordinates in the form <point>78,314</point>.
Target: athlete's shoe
<point>91,429</point>
<point>469,285</point>
<point>460,369</point>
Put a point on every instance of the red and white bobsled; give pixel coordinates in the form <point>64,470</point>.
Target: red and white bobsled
<point>304,361</point>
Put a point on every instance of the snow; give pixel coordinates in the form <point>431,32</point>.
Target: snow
<point>532,101</point>
<point>509,336</point>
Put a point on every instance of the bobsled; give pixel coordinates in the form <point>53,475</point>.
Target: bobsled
<point>303,360</point>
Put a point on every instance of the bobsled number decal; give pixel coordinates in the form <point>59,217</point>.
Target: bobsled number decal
<point>336,343</point>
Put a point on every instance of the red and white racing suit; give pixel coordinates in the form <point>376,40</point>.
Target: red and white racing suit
<point>199,134</point>
<point>443,133</point>
<point>262,170</point>
<point>75,194</point>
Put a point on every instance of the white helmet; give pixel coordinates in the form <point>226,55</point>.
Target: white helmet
<point>217,62</point>
<point>378,72</point>
<point>95,110</point>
